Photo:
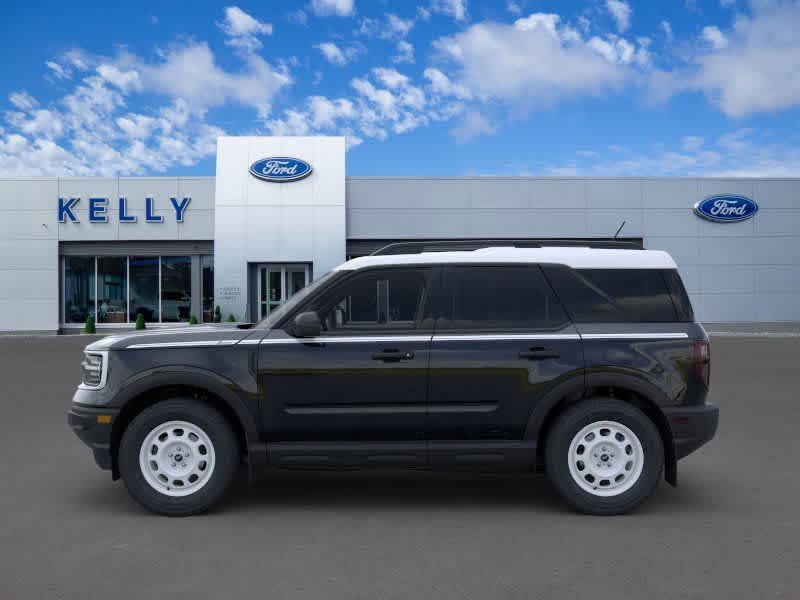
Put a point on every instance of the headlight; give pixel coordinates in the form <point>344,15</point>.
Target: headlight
<point>95,368</point>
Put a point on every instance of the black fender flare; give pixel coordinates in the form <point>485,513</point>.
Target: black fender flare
<point>183,375</point>
<point>654,396</point>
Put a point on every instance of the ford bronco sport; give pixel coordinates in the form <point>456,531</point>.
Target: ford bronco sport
<point>585,363</point>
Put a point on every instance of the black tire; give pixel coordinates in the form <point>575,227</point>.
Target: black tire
<point>570,423</point>
<point>225,447</point>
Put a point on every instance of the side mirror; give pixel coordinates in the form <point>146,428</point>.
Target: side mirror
<point>307,324</point>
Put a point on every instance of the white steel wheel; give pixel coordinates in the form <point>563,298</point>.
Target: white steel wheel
<point>177,458</point>
<point>605,458</point>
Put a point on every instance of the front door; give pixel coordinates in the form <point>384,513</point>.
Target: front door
<point>365,377</point>
<point>277,283</point>
<point>501,342</point>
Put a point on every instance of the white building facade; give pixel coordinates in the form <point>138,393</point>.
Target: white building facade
<point>281,212</point>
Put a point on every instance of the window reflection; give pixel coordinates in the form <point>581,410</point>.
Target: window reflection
<point>78,288</point>
<point>176,289</point>
<point>207,266</point>
<point>112,290</point>
<point>144,288</point>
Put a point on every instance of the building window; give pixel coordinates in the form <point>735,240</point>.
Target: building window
<point>112,289</point>
<point>207,269</point>
<point>176,289</point>
<point>144,288</point>
<point>79,288</point>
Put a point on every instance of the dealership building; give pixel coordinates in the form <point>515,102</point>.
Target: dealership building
<point>281,211</point>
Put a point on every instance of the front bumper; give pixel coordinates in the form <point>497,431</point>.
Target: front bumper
<point>692,426</point>
<point>93,426</point>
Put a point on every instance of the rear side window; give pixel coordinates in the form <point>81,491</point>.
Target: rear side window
<point>679,296</point>
<point>614,295</point>
<point>500,298</point>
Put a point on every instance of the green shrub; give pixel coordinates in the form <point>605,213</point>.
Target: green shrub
<point>217,314</point>
<point>140,324</point>
<point>192,320</point>
<point>89,327</point>
<point>231,319</point>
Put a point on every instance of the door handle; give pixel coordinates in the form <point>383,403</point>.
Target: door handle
<point>392,355</point>
<point>539,354</point>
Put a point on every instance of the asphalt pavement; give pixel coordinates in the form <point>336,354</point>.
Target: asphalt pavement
<point>731,528</point>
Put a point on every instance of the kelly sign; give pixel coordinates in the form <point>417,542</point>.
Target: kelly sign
<point>98,210</point>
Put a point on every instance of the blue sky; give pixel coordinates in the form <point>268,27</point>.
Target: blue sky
<point>436,87</point>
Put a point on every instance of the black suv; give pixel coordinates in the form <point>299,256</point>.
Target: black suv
<point>584,363</point>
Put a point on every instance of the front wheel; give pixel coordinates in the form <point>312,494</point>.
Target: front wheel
<point>604,456</point>
<point>178,457</point>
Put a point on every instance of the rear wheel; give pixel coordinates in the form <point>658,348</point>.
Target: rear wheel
<point>178,457</point>
<point>604,456</point>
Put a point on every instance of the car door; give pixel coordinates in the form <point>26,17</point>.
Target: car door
<point>502,341</point>
<point>365,377</point>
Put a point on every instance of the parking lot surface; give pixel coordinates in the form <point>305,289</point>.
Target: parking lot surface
<point>729,530</point>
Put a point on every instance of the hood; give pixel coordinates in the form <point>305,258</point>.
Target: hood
<point>222,334</point>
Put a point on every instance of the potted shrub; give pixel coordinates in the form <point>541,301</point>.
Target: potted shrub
<point>89,327</point>
<point>231,318</point>
<point>140,324</point>
<point>217,314</point>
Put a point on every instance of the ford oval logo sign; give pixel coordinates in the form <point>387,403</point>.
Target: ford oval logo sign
<point>280,169</point>
<point>726,209</point>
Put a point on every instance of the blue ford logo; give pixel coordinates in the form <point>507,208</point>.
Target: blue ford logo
<point>726,209</point>
<point>280,169</point>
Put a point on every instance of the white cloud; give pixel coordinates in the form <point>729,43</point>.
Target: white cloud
<point>336,55</point>
<point>758,70</point>
<point>22,100</point>
<point>441,84</point>
<point>666,27</point>
<point>715,37</point>
<point>735,154</point>
<point>57,70</point>
<point>472,124</point>
<point>397,26</point>
<point>514,8</point>
<point>453,8</point>
<point>727,3</point>
<point>537,60</point>
<point>339,8</point>
<point>405,52</point>
<point>90,130</point>
<point>692,143</point>
<point>621,11</point>
<point>243,29</point>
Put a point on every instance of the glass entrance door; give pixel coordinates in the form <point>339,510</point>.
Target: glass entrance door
<point>278,283</point>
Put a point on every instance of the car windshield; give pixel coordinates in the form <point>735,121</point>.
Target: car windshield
<point>277,314</point>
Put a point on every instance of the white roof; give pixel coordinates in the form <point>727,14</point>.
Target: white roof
<point>575,257</point>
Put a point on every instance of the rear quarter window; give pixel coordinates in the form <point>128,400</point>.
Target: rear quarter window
<point>614,295</point>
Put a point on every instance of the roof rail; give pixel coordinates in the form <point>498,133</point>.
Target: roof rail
<point>417,247</point>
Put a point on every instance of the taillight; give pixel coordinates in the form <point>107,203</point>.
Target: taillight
<point>702,361</point>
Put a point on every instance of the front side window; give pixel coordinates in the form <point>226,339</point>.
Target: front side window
<point>500,298</point>
<point>375,300</point>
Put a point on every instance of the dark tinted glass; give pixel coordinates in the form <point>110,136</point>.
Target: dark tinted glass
<point>501,298</point>
<point>613,295</point>
<point>679,296</point>
<point>386,299</point>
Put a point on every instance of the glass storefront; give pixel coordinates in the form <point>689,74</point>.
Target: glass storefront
<point>144,288</point>
<point>176,289</point>
<point>79,288</point>
<point>116,289</point>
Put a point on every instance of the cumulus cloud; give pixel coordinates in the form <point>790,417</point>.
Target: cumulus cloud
<point>471,125</point>
<point>621,12</point>
<point>339,8</point>
<point>757,67</point>
<point>405,52</point>
<point>243,29</point>
<point>453,8</point>
<point>536,60</point>
<point>336,55</point>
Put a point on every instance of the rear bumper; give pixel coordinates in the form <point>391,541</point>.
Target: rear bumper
<point>94,432</point>
<point>692,426</point>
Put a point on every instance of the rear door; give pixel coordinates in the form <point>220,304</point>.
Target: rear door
<point>502,341</point>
